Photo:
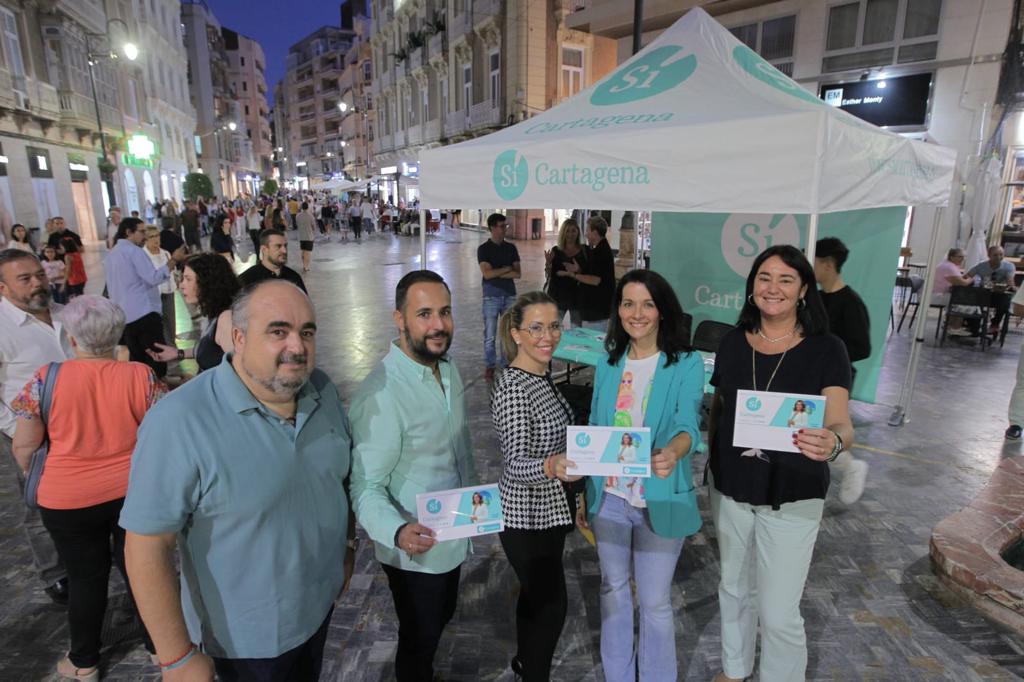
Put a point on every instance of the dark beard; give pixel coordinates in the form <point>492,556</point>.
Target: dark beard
<point>422,351</point>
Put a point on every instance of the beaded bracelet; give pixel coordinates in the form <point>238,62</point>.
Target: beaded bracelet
<point>180,660</point>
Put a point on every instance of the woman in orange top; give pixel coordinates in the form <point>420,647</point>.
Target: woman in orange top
<point>96,408</point>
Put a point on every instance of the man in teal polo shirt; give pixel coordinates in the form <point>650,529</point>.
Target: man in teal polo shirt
<point>411,436</point>
<point>244,468</point>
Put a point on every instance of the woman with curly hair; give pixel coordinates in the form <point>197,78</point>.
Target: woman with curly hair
<point>208,282</point>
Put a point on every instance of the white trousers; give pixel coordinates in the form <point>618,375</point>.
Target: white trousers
<point>765,556</point>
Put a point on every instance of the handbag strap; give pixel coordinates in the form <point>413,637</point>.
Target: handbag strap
<point>46,393</point>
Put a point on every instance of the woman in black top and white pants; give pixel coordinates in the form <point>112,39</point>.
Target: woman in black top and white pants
<point>531,416</point>
<point>766,504</point>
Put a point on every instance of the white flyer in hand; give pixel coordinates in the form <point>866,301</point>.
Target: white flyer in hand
<point>767,421</point>
<point>609,451</point>
<point>461,512</point>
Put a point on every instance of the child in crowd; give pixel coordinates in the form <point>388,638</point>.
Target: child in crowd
<point>55,269</point>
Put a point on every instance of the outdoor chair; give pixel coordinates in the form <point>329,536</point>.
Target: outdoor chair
<point>969,303</point>
<point>709,334</point>
<point>917,286</point>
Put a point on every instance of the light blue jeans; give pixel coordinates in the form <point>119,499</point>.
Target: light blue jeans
<point>494,306</point>
<point>628,546</point>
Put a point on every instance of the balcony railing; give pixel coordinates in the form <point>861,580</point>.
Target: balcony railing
<point>454,123</point>
<point>460,25</point>
<point>415,59</point>
<point>436,44</point>
<point>386,79</point>
<point>432,130</point>
<point>486,9</point>
<point>414,135</point>
<point>78,111</point>
<point>305,95</point>
<point>383,143</point>
<point>484,114</point>
<point>400,71</point>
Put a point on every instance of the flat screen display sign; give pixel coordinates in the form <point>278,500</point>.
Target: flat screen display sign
<point>899,102</point>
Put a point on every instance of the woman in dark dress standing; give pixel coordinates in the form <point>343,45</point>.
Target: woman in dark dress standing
<point>561,261</point>
<point>767,504</point>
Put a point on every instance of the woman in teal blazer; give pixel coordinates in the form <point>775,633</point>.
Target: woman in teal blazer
<point>653,380</point>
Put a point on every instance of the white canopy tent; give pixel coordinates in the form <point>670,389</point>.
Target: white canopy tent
<point>695,122</point>
<point>340,186</point>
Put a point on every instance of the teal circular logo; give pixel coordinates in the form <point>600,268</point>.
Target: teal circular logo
<point>658,71</point>
<point>511,173</point>
<point>753,404</point>
<point>753,64</point>
<point>582,440</point>
<point>434,506</point>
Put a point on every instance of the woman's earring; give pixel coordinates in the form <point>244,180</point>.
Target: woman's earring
<point>750,299</point>
<point>803,303</point>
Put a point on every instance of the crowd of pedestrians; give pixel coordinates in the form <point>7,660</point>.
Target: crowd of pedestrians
<point>252,507</point>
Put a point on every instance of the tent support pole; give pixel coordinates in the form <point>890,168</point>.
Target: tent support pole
<point>638,24</point>
<point>901,413</point>
<point>812,238</point>
<point>423,239</point>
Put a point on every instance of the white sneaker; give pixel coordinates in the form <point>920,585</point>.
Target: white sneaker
<point>852,485</point>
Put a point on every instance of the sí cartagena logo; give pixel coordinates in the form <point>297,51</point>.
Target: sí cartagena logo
<point>434,506</point>
<point>659,70</point>
<point>745,235</point>
<point>582,439</point>
<point>511,173</point>
<point>753,403</point>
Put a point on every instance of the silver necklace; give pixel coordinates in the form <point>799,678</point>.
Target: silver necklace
<point>776,340</point>
<point>753,367</point>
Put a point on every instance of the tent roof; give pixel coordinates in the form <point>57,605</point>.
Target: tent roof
<point>694,122</point>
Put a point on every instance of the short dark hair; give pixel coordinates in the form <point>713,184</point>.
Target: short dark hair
<point>216,282</point>
<point>494,219</point>
<point>12,255</point>
<point>673,331</point>
<point>416,277</point>
<point>834,249</point>
<point>597,224</point>
<point>265,235</point>
<point>811,316</point>
<point>305,205</point>
<point>125,226</point>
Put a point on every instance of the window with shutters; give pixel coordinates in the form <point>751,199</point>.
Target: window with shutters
<point>773,39</point>
<point>572,71</point>
<point>872,33</point>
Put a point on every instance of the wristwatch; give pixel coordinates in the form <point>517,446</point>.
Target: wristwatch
<point>181,355</point>
<point>837,448</point>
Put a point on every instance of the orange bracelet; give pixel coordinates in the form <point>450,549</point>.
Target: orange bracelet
<point>191,648</point>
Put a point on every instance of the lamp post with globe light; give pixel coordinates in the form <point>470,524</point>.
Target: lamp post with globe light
<point>131,52</point>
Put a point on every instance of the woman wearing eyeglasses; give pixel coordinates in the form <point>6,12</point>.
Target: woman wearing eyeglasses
<point>652,379</point>
<point>530,416</point>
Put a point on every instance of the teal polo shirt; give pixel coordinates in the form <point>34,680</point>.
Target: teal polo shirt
<point>410,437</point>
<point>258,505</point>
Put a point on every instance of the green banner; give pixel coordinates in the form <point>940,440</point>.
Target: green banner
<point>707,256</point>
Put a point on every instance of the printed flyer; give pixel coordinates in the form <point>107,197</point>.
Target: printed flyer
<point>461,512</point>
<point>609,451</point>
<point>766,421</point>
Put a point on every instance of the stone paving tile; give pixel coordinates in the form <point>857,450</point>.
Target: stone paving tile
<point>873,608</point>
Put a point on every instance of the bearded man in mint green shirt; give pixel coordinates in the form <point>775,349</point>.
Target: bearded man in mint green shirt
<point>411,436</point>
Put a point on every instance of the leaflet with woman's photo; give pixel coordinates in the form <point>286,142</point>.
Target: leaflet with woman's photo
<point>767,421</point>
<point>461,512</point>
<point>609,451</point>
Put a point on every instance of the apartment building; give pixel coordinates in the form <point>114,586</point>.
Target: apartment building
<point>51,144</point>
<point>937,63</point>
<point>447,72</point>
<point>246,67</point>
<point>357,97</point>
<point>168,117</point>
<point>223,148</point>
<point>310,94</point>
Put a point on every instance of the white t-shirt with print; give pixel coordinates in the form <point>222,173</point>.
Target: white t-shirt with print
<point>630,406</point>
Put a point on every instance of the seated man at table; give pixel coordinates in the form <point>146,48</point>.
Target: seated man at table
<point>998,273</point>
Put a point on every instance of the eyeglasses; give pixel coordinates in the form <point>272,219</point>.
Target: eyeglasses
<point>536,330</point>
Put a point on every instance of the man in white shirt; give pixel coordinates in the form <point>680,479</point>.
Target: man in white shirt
<point>31,335</point>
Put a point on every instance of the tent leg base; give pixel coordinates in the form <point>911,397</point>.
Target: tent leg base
<point>898,416</point>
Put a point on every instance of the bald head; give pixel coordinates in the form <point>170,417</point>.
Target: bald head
<point>274,334</point>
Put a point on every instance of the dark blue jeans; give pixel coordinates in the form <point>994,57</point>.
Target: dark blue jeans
<point>494,306</point>
<point>301,664</point>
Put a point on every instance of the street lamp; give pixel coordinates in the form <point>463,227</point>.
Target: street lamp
<point>131,52</point>
<point>232,126</point>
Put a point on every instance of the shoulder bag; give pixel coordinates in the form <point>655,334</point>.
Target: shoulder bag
<point>35,467</point>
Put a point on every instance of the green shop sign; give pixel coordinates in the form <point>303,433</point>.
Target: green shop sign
<point>141,152</point>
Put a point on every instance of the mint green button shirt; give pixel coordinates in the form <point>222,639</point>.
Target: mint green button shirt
<point>409,436</point>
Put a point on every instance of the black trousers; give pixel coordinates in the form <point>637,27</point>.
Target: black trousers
<point>536,557</point>
<point>83,538</point>
<point>254,235</point>
<point>424,602</point>
<point>301,664</point>
<point>142,334</point>
<point>357,226</point>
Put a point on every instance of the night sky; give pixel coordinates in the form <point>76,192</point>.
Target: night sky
<point>276,25</point>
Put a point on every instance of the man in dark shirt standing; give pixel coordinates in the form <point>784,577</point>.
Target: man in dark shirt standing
<point>190,225</point>
<point>273,257</point>
<point>847,319</point>
<point>597,276</point>
<point>499,264</point>
<point>62,235</point>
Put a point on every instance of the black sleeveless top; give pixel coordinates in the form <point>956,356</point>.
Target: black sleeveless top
<point>207,353</point>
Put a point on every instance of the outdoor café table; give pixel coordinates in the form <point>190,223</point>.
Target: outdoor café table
<point>586,347</point>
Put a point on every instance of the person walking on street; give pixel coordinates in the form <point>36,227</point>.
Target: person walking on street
<point>499,265</point>
<point>306,225</point>
<point>273,262</point>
